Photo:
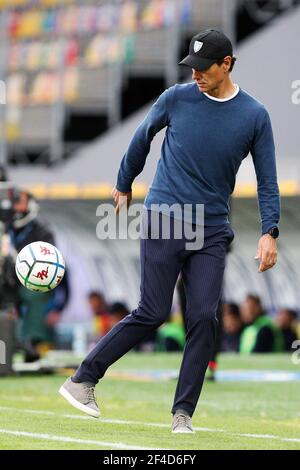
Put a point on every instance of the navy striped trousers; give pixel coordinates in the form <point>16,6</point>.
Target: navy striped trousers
<point>161,262</point>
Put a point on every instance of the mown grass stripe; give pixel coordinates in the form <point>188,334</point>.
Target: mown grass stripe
<point>73,440</point>
<point>149,424</point>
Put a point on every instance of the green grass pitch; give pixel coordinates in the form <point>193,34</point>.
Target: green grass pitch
<point>136,414</point>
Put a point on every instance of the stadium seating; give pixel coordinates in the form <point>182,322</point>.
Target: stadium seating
<point>91,39</point>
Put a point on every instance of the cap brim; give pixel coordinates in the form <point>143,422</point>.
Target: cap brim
<point>197,63</point>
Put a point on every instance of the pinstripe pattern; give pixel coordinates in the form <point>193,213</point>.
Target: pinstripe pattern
<point>161,263</point>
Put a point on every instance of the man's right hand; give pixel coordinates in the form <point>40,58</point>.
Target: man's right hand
<point>121,199</point>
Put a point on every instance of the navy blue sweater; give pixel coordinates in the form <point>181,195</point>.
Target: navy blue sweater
<point>205,143</point>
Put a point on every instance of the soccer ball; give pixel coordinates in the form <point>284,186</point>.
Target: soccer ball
<point>40,267</point>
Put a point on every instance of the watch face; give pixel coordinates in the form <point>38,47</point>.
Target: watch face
<point>274,232</point>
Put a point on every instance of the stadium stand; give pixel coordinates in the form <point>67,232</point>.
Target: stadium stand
<point>65,58</point>
<point>276,38</point>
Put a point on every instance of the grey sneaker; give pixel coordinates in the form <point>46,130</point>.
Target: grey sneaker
<point>182,423</point>
<point>81,396</point>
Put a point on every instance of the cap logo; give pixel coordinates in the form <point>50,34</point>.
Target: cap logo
<point>197,46</point>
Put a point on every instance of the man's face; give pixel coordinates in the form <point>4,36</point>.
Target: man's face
<point>97,304</point>
<point>210,79</point>
<point>21,205</point>
<point>284,319</point>
<point>250,310</point>
<point>232,324</point>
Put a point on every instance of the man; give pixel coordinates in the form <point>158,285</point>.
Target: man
<point>39,312</point>
<point>260,334</point>
<point>102,321</point>
<point>232,328</point>
<point>211,126</point>
<point>286,320</point>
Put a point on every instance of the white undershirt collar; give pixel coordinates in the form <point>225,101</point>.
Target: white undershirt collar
<point>222,100</point>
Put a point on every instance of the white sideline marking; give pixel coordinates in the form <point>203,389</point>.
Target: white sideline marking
<point>51,437</point>
<point>156,425</point>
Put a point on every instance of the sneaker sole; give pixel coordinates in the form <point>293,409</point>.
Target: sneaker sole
<point>80,406</point>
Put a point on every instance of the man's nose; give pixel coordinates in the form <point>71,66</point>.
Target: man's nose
<point>196,74</point>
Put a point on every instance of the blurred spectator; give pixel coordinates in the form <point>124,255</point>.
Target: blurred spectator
<point>171,335</point>
<point>3,175</point>
<point>286,321</point>
<point>39,312</point>
<point>260,335</point>
<point>118,311</point>
<point>232,328</point>
<point>102,319</point>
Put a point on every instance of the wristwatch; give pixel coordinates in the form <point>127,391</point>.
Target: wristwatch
<point>274,232</point>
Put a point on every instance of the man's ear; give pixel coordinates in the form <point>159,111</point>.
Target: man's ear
<point>227,63</point>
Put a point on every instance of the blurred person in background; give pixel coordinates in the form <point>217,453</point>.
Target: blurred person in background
<point>286,320</point>
<point>39,312</point>
<point>102,320</point>
<point>171,335</point>
<point>232,328</point>
<point>118,311</point>
<point>3,174</point>
<point>260,335</point>
<point>8,279</point>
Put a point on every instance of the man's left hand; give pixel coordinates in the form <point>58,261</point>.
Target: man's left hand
<point>266,252</point>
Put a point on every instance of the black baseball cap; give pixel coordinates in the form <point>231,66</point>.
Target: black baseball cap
<point>206,48</point>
